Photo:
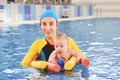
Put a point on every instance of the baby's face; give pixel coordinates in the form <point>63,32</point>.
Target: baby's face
<point>61,45</point>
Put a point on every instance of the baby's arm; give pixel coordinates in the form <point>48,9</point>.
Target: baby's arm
<point>77,55</point>
<point>52,57</point>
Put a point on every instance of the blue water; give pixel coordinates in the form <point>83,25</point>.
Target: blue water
<point>99,39</point>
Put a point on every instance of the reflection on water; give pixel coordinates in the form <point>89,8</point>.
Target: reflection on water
<point>79,72</point>
<point>99,39</point>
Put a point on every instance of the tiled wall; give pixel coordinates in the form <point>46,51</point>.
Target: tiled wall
<point>26,12</point>
<point>19,12</point>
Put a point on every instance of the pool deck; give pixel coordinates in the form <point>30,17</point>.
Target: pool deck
<point>36,21</point>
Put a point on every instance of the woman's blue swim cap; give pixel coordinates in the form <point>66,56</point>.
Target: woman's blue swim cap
<point>49,13</point>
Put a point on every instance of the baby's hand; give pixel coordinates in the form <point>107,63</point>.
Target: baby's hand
<point>65,57</point>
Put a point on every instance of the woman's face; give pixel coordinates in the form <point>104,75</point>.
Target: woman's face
<point>49,26</point>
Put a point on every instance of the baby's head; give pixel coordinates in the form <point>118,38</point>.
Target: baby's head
<point>61,37</point>
<point>61,41</point>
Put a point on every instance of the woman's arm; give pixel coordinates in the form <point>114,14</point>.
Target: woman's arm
<point>73,46</point>
<point>33,51</point>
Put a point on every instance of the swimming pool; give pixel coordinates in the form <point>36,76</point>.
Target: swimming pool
<point>99,39</point>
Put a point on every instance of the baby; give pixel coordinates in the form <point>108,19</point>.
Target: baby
<point>62,52</point>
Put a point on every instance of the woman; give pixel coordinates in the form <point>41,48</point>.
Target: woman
<point>40,50</point>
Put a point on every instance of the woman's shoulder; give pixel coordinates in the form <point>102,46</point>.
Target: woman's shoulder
<point>70,39</point>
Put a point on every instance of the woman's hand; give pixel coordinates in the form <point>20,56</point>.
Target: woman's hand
<point>78,60</point>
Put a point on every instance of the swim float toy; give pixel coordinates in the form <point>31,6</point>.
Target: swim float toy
<point>59,65</point>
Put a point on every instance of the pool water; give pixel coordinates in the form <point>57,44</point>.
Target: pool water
<point>99,39</point>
